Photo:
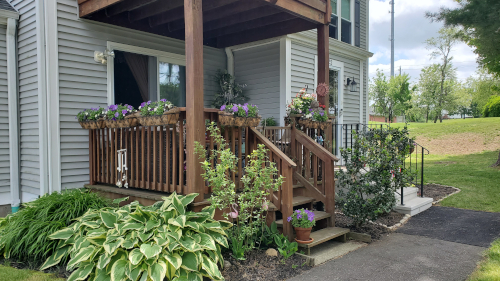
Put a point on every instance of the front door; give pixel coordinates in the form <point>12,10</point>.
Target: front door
<point>336,101</point>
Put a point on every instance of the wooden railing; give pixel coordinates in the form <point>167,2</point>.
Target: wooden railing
<point>282,199</point>
<point>315,170</point>
<point>279,136</point>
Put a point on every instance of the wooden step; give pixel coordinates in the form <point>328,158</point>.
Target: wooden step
<point>296,201</point>
<point>318,215</point>
<point>324,235</point>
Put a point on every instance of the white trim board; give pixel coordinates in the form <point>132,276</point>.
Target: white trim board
<point>13,106</point>
<point>5,15</point>
<point>285,76</point>
<point>361,90</point>
<point>160,55</point>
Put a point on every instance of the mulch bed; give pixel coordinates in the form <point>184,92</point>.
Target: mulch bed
<point>437,191</point>
<point>374,230</point>
<point>259,266</point>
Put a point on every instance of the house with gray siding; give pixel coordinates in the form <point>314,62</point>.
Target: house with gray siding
<point>50,73</point>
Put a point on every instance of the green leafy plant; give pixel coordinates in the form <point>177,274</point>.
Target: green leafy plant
<point>492,108</point>
<point>143,243</point>
<point>155,108</point>
<point>285,247</point>
<point>268,234</point>
<point>24,235</point>
<point>230,91</point>
<point>90,114</point>
<point>246,209</point>
<point>302,218</point>
<point>374,171</point>
<point>118,111</point>
<point>269,122</point>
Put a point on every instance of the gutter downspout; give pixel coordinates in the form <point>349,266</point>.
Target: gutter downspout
<point>13,107</point>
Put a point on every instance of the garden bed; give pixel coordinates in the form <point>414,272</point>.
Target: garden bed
<point>374,230</point>
<point>437,191</point>
<point>259,266</point>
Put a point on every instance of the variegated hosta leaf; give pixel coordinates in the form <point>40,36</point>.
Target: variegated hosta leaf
<point>131,225</point>
<point>145,236</point>
<point>211,268</point>
<point>167,201</point>
<point>135,256</point>
<point>103,261</point>
<point>152,223</point>
<point>119,200</point>
<point>101,275</point>
<point>175,260</point>
<point>196,237</point>
<point>162,239</point>
<point>189,276</point>
<point>63,234</point>
<point>175,235</point>
<point>158,270</point>
<point>150,250</point>
<point>193,225</point>
<point>225,224</point>
<point>92,224</point>
<point>144,276</point>
<point>109,219</point>
<point>130,242</point>
<point>135,271</point>
<point>179,221</point>
<point>56,257</point>
<point>189,261</point>
<point>83,255</point>
<point>179,207</point>
<point>172,246</point>
<point>210,210</point>
<point>188,199</point>
<point>118,270</point>
<point>207,242</point>
<point>189,244</point>
<point>219,238</point>
<point>110,247</point>
<point>82,272</point>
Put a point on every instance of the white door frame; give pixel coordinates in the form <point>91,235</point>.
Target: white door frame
<point>339,66</point>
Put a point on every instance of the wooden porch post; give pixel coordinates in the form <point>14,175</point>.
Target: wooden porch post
<point>195,126</point>
<point>323,59</point>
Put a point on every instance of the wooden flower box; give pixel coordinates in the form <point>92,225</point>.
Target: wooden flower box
<point>229,120</point>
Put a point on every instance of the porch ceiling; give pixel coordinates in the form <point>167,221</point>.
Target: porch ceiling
<point>225,22</point>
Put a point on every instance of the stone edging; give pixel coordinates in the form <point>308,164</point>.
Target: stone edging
<point>457,190</point>
<point>397,225</point>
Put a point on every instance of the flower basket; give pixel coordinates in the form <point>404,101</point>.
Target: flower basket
<point>129,121</point>
<point>229,120</point>
<point>226,119</point>
<point>253,121</point>
<point>168,118</point>
<point>308,123</point>
<point>93,124</point>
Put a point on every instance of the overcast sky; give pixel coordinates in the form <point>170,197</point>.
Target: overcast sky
<point>412,28</point>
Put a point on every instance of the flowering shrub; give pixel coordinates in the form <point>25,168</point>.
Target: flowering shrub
<point>239,110</point>
<point>301,103</point>
<point>90,114</point>
<point>155,108</point>
<point>118,111</point>
<point>302,218</point>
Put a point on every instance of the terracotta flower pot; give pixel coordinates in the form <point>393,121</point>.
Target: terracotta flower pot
<point>303,234</point>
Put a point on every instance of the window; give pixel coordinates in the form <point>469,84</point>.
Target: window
<point>346,21</point>
<point>136,75</point>
<point>333,30</point>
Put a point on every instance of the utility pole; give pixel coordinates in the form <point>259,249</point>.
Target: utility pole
<point>392,38</point>
<point>400,70</point>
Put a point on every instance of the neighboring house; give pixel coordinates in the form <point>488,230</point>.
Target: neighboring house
<point>57,76</point>
<point>375,117</point>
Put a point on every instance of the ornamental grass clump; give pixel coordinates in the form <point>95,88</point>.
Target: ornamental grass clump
<point>150,243</point>
<point>246,209</point>
<point>302,218</point>
<point>155,108</point>
<point>24,234</point>
<point>118,111</point>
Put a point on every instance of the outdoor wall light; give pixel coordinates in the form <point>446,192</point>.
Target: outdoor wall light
<point>102,57</point>
<point>353,85</point>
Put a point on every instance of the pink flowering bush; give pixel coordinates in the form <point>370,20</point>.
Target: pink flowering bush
<point>302,218</point>
<point>238,110</point>
<point>118,111</point>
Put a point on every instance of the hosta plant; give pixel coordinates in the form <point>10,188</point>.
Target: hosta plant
<point>134,242</point>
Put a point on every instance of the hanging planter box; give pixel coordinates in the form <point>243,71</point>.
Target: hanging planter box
<point>168,118</point>
<point>308,123</point>
<point>93,124</point>
<point>229,120</point>
<point>128,122</point>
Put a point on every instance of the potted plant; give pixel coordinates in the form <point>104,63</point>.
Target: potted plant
<point>237,115</point>
<point>158,113</point>
<point>301,104</point>
<point>120,116</point>
<point>91,118</point>
<point>302,221</point>
<point>317,118</point>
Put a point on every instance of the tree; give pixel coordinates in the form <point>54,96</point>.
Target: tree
<point>441,47</point>
<point>392,97</point>
<point>478,20</point>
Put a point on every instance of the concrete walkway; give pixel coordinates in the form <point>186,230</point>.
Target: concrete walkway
<point>401,257</point>
<point>438,244</point>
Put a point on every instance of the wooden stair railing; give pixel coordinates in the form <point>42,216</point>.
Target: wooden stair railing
<point>315,170</point>
<point>282,199</point>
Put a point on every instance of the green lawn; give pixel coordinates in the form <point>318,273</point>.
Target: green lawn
<point>13,274</point>
<point>489,269</point>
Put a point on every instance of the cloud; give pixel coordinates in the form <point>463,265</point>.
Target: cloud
<point>412,28</point>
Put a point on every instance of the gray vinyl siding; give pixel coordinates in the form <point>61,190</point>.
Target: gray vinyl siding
<point>4,123</point>
<point>28,97</point>
<point>83,82</point>
<point>259,69</point>
<point>303,73</point>
<point>364,24</point>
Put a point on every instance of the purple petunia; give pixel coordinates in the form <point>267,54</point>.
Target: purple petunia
<point>289,219</point>
<point>124,112</point>
<point>113,107</point>
<point>321,113</point>
<point>130,107</point>
<point>117,114</point>
<point>114,119</point>
<point>163,100</point>
<point>235,108</point>
<point>143,104</point>
<point>310,110</point>
<point>222,108</point>
<point>149,102</point>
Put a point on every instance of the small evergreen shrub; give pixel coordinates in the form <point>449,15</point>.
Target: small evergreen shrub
<point>374,171</point>
<point>24,235</point>
<point>134,242</point>
<point>492,108</point>
<point>269,122</point>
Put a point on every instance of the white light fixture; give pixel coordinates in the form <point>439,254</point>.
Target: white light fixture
<point>102,57</point>
<point>353,85</point>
